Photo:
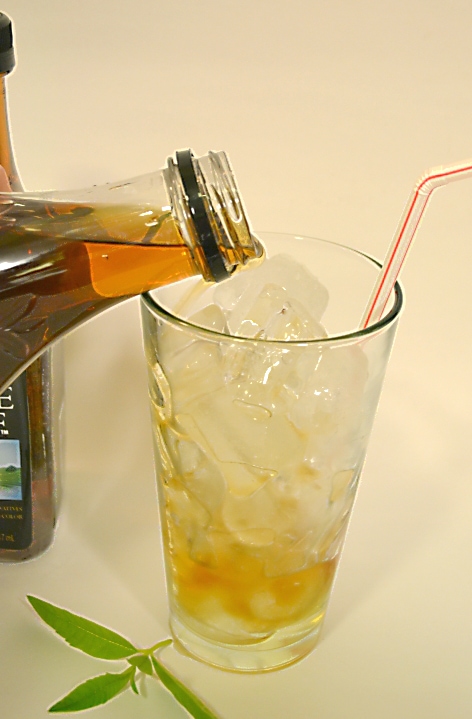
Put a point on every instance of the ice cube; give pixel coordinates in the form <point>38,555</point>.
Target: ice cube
<point>237,296</point>
<point>289,558</point>
<point>264,605</point>
<point>191,358</point>
<point>288,599</point>
<point>328,385</point>
<point>262,377</point>
<point>257,512</point>
<point>237,358</point>
<point>242,480</point>
<point>293,322</point>
<point>199,473</point>
<point>258,537</point>
<point>236,431</point>
<point>195,370</point>
<point>276,315</point>
<point>269,302</point>
<point>192,464</point>
<point>212,317</point>
<point>186,514</point>
<point>303,506</point>
<point>201,550</point>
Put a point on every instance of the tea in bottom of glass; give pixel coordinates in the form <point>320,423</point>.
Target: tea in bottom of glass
<point>263,393</point>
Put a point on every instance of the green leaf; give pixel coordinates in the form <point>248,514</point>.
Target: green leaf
<point>81,633</point>
<point>133,685</point>
<point>93,692</point>
<point>142,663</point>
<point>184,696</point>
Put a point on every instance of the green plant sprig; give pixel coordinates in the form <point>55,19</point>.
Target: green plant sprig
<point>98,641</point>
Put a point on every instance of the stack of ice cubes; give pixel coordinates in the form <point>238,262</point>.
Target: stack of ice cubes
<point>263,436</point>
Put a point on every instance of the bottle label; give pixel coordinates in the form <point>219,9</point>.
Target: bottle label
<point>15,482</point>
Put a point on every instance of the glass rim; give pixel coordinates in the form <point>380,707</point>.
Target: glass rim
<point>382,323</point>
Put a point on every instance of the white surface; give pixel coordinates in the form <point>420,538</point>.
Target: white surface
<point>329,112</point>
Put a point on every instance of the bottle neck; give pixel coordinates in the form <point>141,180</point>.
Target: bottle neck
<point>7,158</point>
<point>208,210</point>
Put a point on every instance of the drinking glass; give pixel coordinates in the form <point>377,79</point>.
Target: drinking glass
<point>259,446</point>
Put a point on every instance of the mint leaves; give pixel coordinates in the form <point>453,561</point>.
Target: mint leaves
<point>83,634</point>
<point>98,641</point>
<point>94,692</point>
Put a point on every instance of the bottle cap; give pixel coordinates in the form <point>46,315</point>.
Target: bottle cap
<point>7,53</point>
<point>207,207</point>
<point>195,197</point>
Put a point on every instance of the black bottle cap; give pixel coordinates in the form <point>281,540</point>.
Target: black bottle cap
<point>206,236</point>
<point>7,53</point>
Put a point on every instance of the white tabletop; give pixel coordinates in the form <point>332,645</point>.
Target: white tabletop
<point>329,112</point>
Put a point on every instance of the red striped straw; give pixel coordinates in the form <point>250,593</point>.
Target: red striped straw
<point>405,233</point>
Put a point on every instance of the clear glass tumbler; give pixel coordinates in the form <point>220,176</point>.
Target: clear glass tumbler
<point>259,446</point>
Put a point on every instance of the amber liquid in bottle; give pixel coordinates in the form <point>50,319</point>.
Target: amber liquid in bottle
<point>63,263</point>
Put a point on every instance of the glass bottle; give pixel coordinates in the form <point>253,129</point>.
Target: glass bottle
<point>66,256</point>
<point>29,407</point>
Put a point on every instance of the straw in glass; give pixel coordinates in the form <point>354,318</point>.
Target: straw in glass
<point>405,233</point>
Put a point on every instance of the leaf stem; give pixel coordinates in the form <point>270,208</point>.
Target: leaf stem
<point>155,647</point>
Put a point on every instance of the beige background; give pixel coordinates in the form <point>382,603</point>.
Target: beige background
<point>329,112</point>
